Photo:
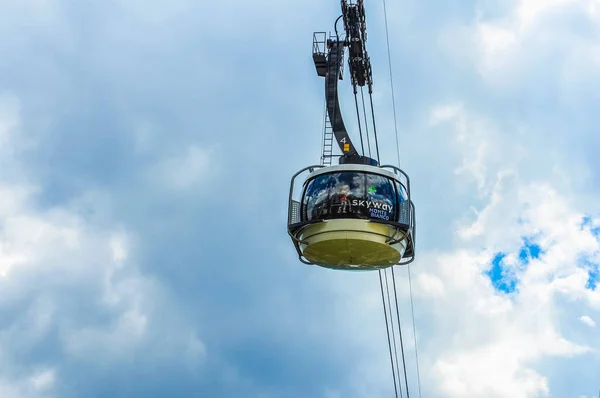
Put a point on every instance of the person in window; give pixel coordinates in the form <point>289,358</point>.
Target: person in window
<point>347,188</point>
<point>340,199</point>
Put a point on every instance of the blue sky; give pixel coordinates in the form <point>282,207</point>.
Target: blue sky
<point>145,156</point>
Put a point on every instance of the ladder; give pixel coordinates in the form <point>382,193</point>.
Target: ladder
<point>327,153</point>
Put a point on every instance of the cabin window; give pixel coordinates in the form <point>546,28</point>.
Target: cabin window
<point>351,195</point>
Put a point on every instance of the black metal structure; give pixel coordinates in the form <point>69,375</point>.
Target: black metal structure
<point>328,56</point>
<point>330,66</point>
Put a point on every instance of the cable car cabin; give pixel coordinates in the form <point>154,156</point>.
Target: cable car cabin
<point>352,216</point>
<point>355,215</point>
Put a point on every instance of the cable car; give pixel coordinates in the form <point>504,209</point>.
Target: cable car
<point>352,216</point>
<point>356,215</point>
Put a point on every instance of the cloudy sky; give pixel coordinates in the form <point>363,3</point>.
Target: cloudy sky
<point>146,149</point>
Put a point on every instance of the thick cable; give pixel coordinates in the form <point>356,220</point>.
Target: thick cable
<point>412,308</point>
<point>387,329</point>
<point>382,294</point>
<point>387,288</point>
<point>398,158</point>
<point>337,35</point>
<point>400,333</point>
<point>359,124</point>
<point>366,124</point>
<point>374,128</point>
<point>387,36</point>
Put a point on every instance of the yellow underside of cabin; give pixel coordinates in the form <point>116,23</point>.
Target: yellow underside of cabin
<point>352,244</point>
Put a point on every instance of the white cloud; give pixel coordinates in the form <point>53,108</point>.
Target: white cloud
<point>444,113</point>
<point>115,343</point>
<point>474,340</point>
<point>492,342</point>
<point>530,50</point>
<point>43,380</point>
<point>528,11</point>
<point>56,265</point>
<point>430,284</point>
<point>186,170</point>
<point>32,384</point>
<point>9,117</point>
<point>587,320</point>
<point>536,37</point>
<point>118,246</point>
<point>195,348</point>
<point>488,344</point>
<point>70,257</point>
